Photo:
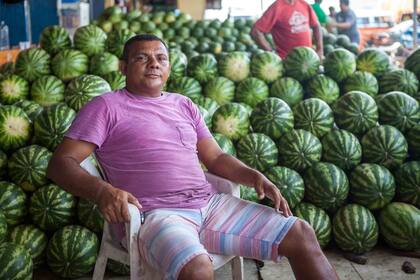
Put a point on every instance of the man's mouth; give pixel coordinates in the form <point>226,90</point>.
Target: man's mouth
<point>152,75</point>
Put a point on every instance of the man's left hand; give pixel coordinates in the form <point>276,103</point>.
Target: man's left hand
<point>320,53</point>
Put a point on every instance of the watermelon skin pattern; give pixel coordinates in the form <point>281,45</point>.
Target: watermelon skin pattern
<point>12,89</point>
<point>413,140</point>
<point>287,89</point>
<point>231,120</point>
<point>12,203</point>
<point>355,229</point>
<point>69,64</point>
<point>324,88</point>
<point>202,67</point>
<point>15,261</point>
<point>3,227</point>
<point>32,64</point>
<point>235,66</point>
<point>267,66</point>
<point>103,63</point>
<point>54,39</point>
<point>89,215</point>
<point>225,144</point>
<point>399,80</point>
<point>361,81</point>
<point>15,128</point>
<point>47,90</point>
<point>374,61</point>
<point>408,182</point>
<point>340,64</point>
<point>302,63</point>
<point>251,91</point>
<point>115,79</point>
<point>220,89</point>
<point>90,40</point>
<point>187,86</point>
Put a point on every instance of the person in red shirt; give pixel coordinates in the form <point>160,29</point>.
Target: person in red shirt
<point>290,23</point>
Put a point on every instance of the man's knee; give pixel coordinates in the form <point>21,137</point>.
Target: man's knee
<point>200,267</point>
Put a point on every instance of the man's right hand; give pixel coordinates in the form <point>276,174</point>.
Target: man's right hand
<point>113,204</point>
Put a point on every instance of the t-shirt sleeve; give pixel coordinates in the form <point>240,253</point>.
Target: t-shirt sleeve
<point>92,123</point>
<point>351,18</point>
<point>267,21</point>
<point>200,126</point>
<point>313,19</point>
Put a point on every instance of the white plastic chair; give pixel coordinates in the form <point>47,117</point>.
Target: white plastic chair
<point>111,249</point>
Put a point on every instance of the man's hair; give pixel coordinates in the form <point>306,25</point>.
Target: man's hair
<point>140,38</point>
<point>345,2</point>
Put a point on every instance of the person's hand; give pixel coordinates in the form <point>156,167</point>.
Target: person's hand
<point>113,204</point>
<point>264,187</point>
<point>320,53</point>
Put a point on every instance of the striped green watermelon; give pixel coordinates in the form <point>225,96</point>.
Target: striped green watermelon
<point>3,165</point>
<point>318,219</point>
<point>341,148</point>
<point>220,89</point>
<point>31,108</point>
<point>361,81</point>
<point>314,115</point>
<point>206,116</point>
<point>257,151</point>
<point>187,86</point>
<point>399,225</point>
<point>28,167</point>
<point>249,194</point>
<point>302,63</point>
<point>207,103</point>
<point>289,183</point>
<point>83,88</point>
<point>7,68</point>
<point>32,64</point>
<point>54,39</point>
<point>373,61</point>
<point>355,229</point>
<point>90,40</point>
<point>69,64</point>
<point>399,110</point>
<point>340,64</point>
<point>178,61</point>
<point>324,88</point>
<point>3,227</point>
<point>267,66</point>
<point>15,261</point>
<point>412,63</point>
<point>235,66</point>
<point>33,239</point>
<point>287,89</point>
<point>52,208</point>
<point>12,203</point>
<point>399,80</point>
<point>72,251</point>
<point>51,125</point>
<point>202,67</point>
<point>231,120</point>
<point>413,140</point>
<point>103,63</point>
<point>116,40</point>
<point>115,79</point>
<point>343,40</point>
<point>251,91</point>
<point>225,144</point>
<point>384,145</point>
<point>118,268</point>
<point>408,182</point>
<point>355,112</point>
<point>12,89</point>
<point>272,117</point>
<point>299,149</point>
<point>15,128</point>
<point>372,185</point>
<point>47,90</point>
<point>89,215</point>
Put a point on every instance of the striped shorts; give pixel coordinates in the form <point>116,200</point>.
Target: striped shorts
<point>171,237</point>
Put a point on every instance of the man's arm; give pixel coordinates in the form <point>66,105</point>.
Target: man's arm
<point>318,40</point>
<point>342,25</point>
<point>259,38</point>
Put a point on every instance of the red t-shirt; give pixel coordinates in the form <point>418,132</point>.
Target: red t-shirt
<point>290,24</point>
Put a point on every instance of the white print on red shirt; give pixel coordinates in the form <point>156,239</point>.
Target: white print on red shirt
<point>298,22</point>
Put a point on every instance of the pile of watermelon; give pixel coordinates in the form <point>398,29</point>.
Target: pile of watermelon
<point>340,139</point>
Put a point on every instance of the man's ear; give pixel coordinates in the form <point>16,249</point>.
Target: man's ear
<point>123,67</point>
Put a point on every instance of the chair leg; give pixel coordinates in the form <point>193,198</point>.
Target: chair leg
<point>100,266</point>
<point>237,264</point>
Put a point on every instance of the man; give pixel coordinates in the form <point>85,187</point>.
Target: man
<point>290,23</point>
<point>346,22</point>
<point>322,17</point>
<point>149,144</point>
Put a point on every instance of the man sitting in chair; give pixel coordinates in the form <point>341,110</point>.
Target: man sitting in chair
<point>149,143</point>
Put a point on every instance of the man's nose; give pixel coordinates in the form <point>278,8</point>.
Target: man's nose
<point>153,62</point>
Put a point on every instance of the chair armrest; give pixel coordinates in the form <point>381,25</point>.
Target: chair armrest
<point>133,226</point>
<point>223,185</point>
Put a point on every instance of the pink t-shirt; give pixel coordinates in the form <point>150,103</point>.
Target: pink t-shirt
<point>289,24</point>
<point>148,146</point>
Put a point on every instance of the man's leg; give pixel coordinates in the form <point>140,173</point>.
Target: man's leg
<point>199,268</point>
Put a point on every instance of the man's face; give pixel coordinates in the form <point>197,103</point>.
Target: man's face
<point>147,66</point>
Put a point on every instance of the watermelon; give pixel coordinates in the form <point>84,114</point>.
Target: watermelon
<point>287,89</point>
<point>206,116</point>
<point>272,117</point>
<point>235,66</point>
<point>340,64</point>
<point>118,268</point>
<point>408,182</point>
<point>225,144</point>
<point>33,239</point>
<point>399,110</point>
<point>116,40</point>
<point>90,40</point>
<point>12,203</point>
<point>47,90</point>
<point>289,183</point>
<point>314,115</point>
<point>399,225</point>
<point>28,167</point>
<point>342,40</point>
<point>355,229</point>
<point>373,61</point>
<point>52,208</point>
<point>267,66</point>
<point>413,140</point>
<point>15,128</point>
<point>3,227</point>
<point>3,165</point>
<point>72,251</point>
<point>220,89</point>
<point>54,39</point>
<point>15,261</point>
<point>69,64</point>
<point>202,67</point>
<point>249,194</point>
<point>51,125</point>
<point>318,219</point>
<point>299,149</point>
<point>115,79</point>
<point>103,63</point>
<point>187,86</point>
<point>257,151</point>
<point>12,89</point>
<point>399,80</point>
<point>361,81</point>
<point>82,89</point>
<point>355,112</point>
<point>324,88</point>
<point>412,63</point>
<point>207,103</point>
<point>302,63</point>
<point>231,120</point>
<point>341,148</point>
<point>178,61</point>
<point>31,108</point>
<point>7,68</point>
<point>384,145</point>
<point>251,91</point>
<point>326,186</point>
<point>32,64</point>
<point>89,215</point>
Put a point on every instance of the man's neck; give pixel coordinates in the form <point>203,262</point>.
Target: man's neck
<point>144,92</point>
<point>290,1</point>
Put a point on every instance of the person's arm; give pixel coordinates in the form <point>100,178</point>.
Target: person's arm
<point>259,38</point>
<point>318,41</point>
<point>264,25</point>
<point>342,25</point>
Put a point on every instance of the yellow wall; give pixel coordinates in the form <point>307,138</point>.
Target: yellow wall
<point>193,7</point>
